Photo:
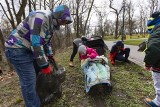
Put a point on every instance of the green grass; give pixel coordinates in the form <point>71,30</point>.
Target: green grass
<point>130,85</point>
<point>135,36</point>
<point>133,41</point>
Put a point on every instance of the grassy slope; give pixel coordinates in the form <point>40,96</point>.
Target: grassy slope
<point>130,85</point>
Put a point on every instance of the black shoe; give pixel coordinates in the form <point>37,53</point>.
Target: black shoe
<point>127,61</point>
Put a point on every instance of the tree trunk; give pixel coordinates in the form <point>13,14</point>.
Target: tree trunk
<point>21,12</point>
<point>77,27</point>
<point>2,40</point>
<point>88,17</point>
<point>116,30</point>
<point>3,48</point>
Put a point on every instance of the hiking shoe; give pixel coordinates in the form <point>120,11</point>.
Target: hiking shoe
<point>150,102</point>
<point>71,64</point>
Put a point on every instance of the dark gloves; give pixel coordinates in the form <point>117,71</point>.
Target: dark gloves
<point>51,58</point>
<point>112,62</point>
<point>53,62</point>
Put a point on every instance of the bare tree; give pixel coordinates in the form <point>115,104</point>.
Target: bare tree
<point>88,15</point>
<point>153,5</point>
<point>1,45</point>
<point>1,40</point>
<point>10,13</point>
<point>117,12</point>
<point>4,30</point>
<point>109,27</point>
<point>102,19</point>
<point>77,17</point>
<point>130,12</point>
<point>142,19</point>
<point>81,10</point>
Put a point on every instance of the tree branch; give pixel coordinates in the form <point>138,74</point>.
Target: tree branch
<point>110,5</point>
<point>14,11</point>
<point>5,12</point>
<point>10,13</point>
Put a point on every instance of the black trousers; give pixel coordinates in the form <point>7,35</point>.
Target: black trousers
<point>120,56</point>
<point>74,52</point>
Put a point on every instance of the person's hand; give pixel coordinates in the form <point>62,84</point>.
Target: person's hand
<point>147,68</point>
<point>46,70</point>
<point>98,56</point>
<point>112,62</point>
<point>89,59</point>
<point>51,57</point>
<point>88,55</point>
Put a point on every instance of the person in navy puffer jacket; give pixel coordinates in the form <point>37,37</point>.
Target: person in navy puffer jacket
<point>118,52</point>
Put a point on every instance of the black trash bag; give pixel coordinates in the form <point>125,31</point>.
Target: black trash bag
<point>142,46</point>
<point>49,86</point>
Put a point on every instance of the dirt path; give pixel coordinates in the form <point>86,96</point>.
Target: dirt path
<point>98,94</point>
<point>7,78</point>
<point>98,101</point>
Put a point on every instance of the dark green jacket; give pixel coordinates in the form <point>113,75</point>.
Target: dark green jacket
<point>152,57</point>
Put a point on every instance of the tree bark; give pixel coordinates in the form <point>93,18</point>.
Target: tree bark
<point>3,48</point>
<point>21,11</point>
<point>89,12</point>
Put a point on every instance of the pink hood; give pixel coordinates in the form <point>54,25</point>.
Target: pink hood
<point>90,53</point>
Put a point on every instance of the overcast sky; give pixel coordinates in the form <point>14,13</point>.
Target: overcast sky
<point>104,6</point>
<point>117,5</point>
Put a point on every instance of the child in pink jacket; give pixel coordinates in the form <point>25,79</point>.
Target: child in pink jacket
<point>86,52</point>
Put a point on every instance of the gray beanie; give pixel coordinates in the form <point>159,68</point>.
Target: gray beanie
<point>82,49</point>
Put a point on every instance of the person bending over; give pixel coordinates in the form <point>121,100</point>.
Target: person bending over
<point>76,43</point>
<point>31,40</point>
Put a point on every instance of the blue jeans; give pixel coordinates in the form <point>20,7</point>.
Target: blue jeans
<point>156,80</point>
<point>22,61</point>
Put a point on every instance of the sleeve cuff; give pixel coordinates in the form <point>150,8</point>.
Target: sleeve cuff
<point>147,65</point>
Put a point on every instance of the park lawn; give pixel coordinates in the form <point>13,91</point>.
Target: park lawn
<point>131,84</point>
<point>135,39</point>
<point>136,36</point>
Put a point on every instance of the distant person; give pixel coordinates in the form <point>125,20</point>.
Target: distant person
<point>152,57</point>
<point>86,40</point>
<point>118,52</point>
<point>76,43</point>
<point>29,43</point>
